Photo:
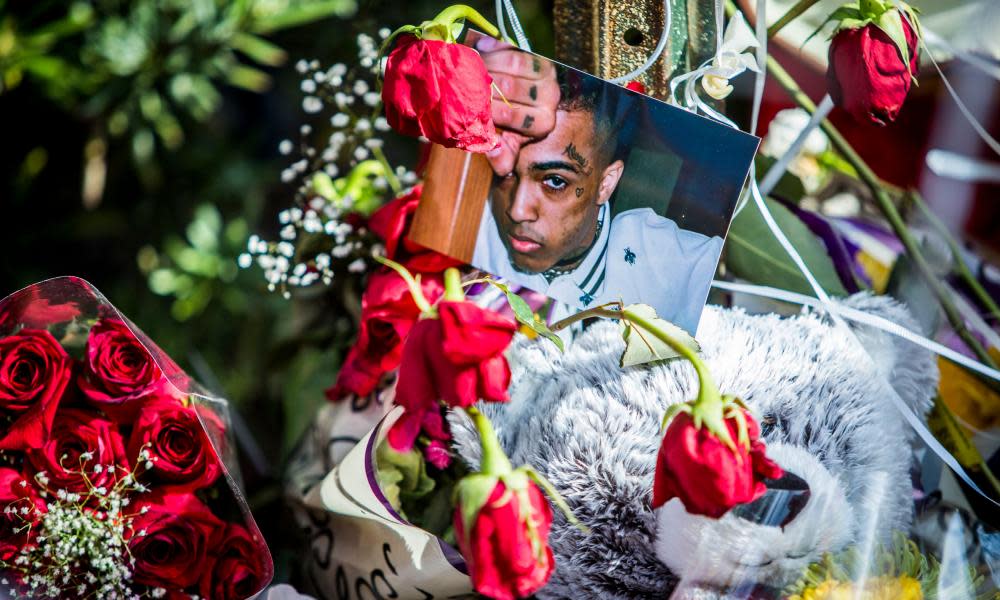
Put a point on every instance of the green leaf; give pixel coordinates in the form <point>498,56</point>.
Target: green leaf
<point>847,11</point>
<point>789,186</point>
<point>642,346</point>
<point>891,22</point>
<point>248,78</point>
<point>527,317</point>
<point>753,253</point>
<point>300,14</point>
<point>259,49</point>
<point>322,184</point>
<point>472,493</point>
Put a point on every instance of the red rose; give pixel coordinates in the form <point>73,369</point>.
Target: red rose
<point>441,91</point>
<point>30,309</point>
<point>241,567</point>
<point>19,506</point>
<point>387,314</point>
<point>392,224</point>
<point>34,372</point>
<point>171,541</point>
<point>118,369</point>
<point>505,562</point>
<point>867,76</point>
<point>177,444</point>
<point>84,447</point>
<point>709,477</point>
<point>457,358</point>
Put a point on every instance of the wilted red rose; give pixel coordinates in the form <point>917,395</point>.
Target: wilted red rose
<point>708,476</point>
<point>457,358</point>
<point>178,446</point>
<point>19,507</point>
<point>441,91</point>
<point>117,369</point>
<point>34,372</point>
<point>171,541</point>
<point>84,447</point>
<point>392,224</point>
<point>387,314</point>
<point>505,562</point>
<point>241,567</point>
<point>867,76</point>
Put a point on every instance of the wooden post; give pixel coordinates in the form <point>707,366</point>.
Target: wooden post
<point>610,38</point>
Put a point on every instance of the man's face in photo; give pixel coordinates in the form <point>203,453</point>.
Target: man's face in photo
<point>546,210</point>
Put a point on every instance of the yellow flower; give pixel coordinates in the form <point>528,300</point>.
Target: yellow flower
<point>878,588</point>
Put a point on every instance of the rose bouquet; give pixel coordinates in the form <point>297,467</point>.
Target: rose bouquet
<point>112,481</point>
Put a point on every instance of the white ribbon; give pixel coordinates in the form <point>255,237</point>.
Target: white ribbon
<point>773,175</point>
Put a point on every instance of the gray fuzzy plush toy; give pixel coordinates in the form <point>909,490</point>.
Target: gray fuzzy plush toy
<point>593,429</point>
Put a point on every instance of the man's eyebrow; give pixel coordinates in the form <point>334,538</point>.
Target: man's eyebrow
<point>555,165</point>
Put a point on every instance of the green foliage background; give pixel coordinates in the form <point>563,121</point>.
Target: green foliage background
<point>138,149</point>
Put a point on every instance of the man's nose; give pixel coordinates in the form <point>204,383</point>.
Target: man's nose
<point>523,207</point>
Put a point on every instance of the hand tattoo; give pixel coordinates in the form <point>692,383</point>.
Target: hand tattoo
<point>533,93</point>
<point>528,122</point>
<point>536,65</point>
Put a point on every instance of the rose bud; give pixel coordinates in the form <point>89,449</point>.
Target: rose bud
<point>502,521</point>
<point>171,539</point>
<point>34,372</point>
<point>180,452</point>
<point>240,569</point>
<point>505,541</point>
<point>870,72</point>
<point>440,89</point>
<point>84,451</point>
<point>707,474</point>
<point>117,369</point>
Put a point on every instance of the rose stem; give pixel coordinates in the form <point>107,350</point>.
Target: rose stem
<point>960,268</point>
<point>494,461</point>
<point>887,208</point>
<point>800,7</point>
<point>461,11</point>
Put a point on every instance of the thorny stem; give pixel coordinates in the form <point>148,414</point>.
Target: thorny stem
<point>708,391</point>
<point>961,269</point>
<point>494,461</point>
<point>800,7</point>
<point>887,208</point>
<point>390,176</point>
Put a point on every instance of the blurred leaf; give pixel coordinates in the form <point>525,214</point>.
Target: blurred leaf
<point>788,187</point>
<point>753,253</point>
<point>642,347</point>
<point>259,49</point>
<point>248,78</point>
<point>300,14</point>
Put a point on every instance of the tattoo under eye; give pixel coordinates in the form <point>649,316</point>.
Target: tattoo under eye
<point>528,122</point>
<point>579,192</point>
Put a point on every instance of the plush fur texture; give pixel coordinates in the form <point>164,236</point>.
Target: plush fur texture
<point>592,428</point>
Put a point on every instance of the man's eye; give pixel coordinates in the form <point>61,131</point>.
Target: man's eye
<point>555,182</point>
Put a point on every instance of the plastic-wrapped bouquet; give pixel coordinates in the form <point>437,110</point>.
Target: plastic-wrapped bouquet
<point>112,477</point>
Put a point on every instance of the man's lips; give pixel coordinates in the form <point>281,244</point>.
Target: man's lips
<point>522,244</point>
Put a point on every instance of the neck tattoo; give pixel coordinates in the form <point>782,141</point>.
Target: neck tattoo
<point>568,265</point>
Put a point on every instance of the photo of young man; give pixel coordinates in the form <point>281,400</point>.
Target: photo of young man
<point>549,223</point>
